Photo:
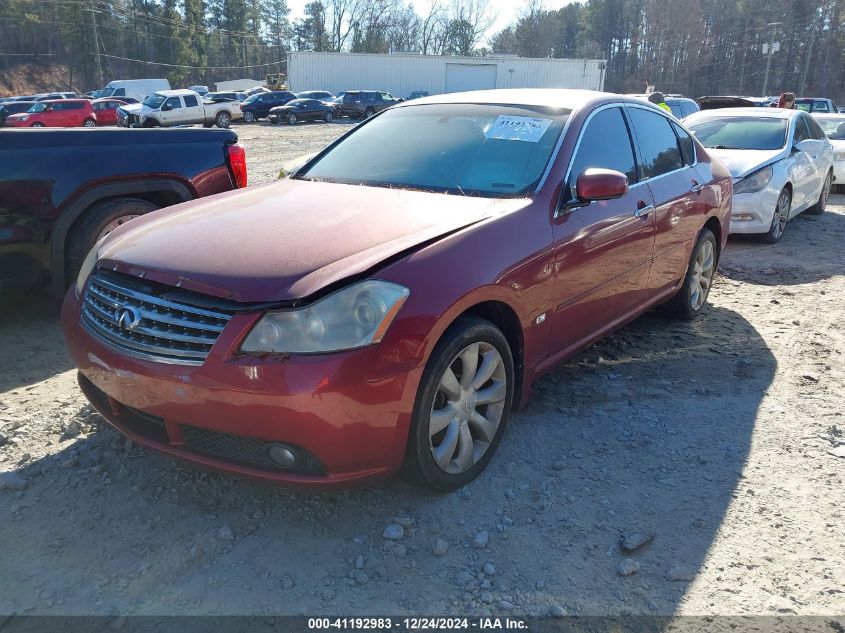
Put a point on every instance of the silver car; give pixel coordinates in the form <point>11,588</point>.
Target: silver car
<point>781,163</point>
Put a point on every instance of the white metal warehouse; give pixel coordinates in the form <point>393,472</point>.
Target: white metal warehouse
<point>403,73</point>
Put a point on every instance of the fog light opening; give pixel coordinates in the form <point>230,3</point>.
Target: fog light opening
<point>282,456</point>
<point>742,217</point>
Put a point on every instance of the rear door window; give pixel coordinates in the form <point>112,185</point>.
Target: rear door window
<point>605,143</point>
<point>191,101</point>
<point>659,148</point>
<point>802,133</point>
<point>686,143</point>
<point>120,92</point>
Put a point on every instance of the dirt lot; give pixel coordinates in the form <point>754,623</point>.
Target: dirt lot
<point>715,437</point>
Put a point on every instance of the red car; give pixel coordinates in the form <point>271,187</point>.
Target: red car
<point>57,113</point>
<point>106,110</point>
<point>454,249</point>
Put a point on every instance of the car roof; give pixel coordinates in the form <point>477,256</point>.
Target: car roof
<point>175,93</point>
<point>768,113</point>
<point>827,115</point>
<point>542,97</point>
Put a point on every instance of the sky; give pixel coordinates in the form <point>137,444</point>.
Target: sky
<point>507,10</point>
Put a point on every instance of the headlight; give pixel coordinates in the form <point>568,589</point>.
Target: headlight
<point>347,319</point>
<point>754,182</point>
<point>838,155</point>
<point>87,266</point>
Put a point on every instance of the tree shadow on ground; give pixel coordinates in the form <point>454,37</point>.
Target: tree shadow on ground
<point>809,251</point>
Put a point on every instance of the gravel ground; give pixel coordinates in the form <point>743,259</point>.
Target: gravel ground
<point>707,449</point>
<point>268,146</point>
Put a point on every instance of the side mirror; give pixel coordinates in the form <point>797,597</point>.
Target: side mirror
<point>601,184</point>
<point>809,145</point>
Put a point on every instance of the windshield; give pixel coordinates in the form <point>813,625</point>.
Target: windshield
<point>154,101</point>
<point>467,149</point>
<point>761,133</point>
<point>38,107</point>
<point>834,128</point>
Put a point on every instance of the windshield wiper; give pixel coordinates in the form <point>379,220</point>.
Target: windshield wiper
<point>725,147</point>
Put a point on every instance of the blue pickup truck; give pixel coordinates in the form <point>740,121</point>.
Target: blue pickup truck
<point>62,190</point>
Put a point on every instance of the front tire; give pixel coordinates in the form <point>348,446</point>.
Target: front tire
<point>89,123</point>
<point>249,117</point>
<point>821,203</point>
<point>291,119</point>
<point>691,299</point>
<point>328,117</point>
<point>779,219</point>
<point>369,112</point>
<point>462,407</point>
<point>37,124</point>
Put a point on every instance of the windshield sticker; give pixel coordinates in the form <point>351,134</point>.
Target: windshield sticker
<point>518,128</point>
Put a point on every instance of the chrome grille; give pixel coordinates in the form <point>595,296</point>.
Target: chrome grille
<point>147,325</point>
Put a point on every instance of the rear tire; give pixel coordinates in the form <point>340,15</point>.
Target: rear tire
<point>96,222</point>
<point>691,299</point>
<point>466,433</point>
<point>328,117</point>
<point>821,203</point>
<point>89,123</point>
<point>249,117</point>
<point>37,124</point>
<point>222,120</point>
<point>369,112</point>
<point>291,119</point>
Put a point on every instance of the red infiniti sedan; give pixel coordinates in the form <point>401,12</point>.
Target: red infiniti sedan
<point>388,305</point>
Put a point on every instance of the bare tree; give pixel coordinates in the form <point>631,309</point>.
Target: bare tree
<point>469,21</point>
<point>433,28</point>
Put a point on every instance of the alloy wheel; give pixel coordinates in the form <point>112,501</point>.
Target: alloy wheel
<point>703,269</point>
<point>111,226</point>
<point>223,120</point>
<point>781,215</point>
<point>249,117</point>
<point>291,119</point>
<point>468,408</point>
<point>89,123</point>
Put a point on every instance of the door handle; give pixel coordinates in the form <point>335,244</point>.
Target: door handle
<point>643,212</point>
<point>696,187</point>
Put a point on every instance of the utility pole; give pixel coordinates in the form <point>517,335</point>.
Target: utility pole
<point>807,64</point>
<point>771,26</point>
<point>97,44</point>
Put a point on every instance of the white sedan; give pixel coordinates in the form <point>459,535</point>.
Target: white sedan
<point>781,163</point>
<point>834,126</point>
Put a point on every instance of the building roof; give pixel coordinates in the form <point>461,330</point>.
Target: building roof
<point>541,97</point>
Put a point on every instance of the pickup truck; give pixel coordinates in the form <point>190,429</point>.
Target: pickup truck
<point>168,108</point>
<point>63,190</point>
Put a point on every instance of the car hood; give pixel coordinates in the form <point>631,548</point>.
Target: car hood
<point>287,240</point>
<point>741,162</point>
<point>136,108</point>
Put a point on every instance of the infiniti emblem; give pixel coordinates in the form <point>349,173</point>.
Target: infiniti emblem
<point>128,318</point>
<point>467,407</point>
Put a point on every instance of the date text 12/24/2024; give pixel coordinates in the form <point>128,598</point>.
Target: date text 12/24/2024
<point>416,624</point>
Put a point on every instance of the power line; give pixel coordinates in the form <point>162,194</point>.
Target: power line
<point>143,61</point>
